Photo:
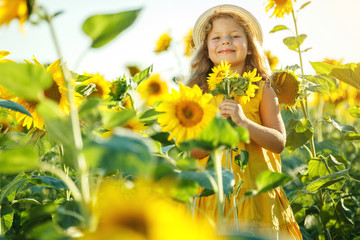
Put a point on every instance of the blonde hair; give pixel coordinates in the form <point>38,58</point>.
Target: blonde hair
<point>201,64</point>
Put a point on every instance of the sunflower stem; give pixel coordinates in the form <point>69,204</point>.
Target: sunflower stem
<point>220,191</point>
<point>304,105</point>
<point>75,122</point>
<point>233,197</point>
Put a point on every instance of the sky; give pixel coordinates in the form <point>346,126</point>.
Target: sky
<point>331,27</point>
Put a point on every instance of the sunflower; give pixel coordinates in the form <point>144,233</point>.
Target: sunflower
<point>11,9</point>
<point>103,87</point>
<point>153,89</point>
<point>189,43</point>
<point>163,43</point>
<point>250,91</point>
<point>273,61</point>
<point>5,94</point>
<point>4,54</point>
<point>281,7</point>
<point>56,92</point>
<point>135,125</point>
<point>218,74</point>
<point>286,87</point>
<point>129,218</point>
<point>186,113</point>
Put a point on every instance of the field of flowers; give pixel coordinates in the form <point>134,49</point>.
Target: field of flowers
<point>86,158</point>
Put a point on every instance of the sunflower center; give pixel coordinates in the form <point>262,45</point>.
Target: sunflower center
<point>53,93</point>
<point>189,113</point>
<point>135,223</point>
<point>281,2</point>
<point>154,88</point>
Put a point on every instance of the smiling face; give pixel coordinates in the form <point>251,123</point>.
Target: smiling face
<point>227,40</point>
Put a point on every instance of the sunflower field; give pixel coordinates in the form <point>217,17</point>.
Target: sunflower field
<point>82,157</point>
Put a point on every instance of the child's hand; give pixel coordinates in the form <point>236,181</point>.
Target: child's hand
<point>231,108</point>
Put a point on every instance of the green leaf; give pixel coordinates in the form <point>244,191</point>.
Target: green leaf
<point>25,80</point>
<point>330,82</point>
<point>14,106</point>
<point>352,136</point>
<point>7,218</point>
<point>319,88</point>
<point>80,78</point>
<point>105,27</point>
<point>58,127</point>
<point>242,159</point>
<point>125,151</point>
<point>348,73</point>
<point>328,180</point>
<point>26,200</point>
<point>243,134</point>
<point>115,119</point>
<point>354,111</point>
<point>162,137</point>
<point>268,180</point>
<point>203,179</point>
<point>86,90</point>
<point>18,159</point>
<point>88,105</point>
<point>219,132</point>
<point>185,190</point>
<point>279,28</point>
<point>344,212</point>
<point>150,116</point>
<point>304,5</point>
<point>8,192</point>
<point>293,43</point>
<point>53,182</point>
<point>341,127</point>
<point>187,164</point>
<point>141,76</point>
<point>307,49</point>
<point>317,168</point>
<point>320,166</point>
<point>298,133</point>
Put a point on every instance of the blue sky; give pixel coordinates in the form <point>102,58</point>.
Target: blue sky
<point>329,24</point>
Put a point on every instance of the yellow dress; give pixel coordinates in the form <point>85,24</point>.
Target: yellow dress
<point>267,214</point>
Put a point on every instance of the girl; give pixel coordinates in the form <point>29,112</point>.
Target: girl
<point>230,33</point>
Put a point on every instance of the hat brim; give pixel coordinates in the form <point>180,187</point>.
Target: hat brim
<point>243,14</point>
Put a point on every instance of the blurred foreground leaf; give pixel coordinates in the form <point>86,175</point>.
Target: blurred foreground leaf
<point>268,180</point>
<point>25,80</point>
<point>126,152</point>
<point>218,133</point>
<point>105,27</point>
<point>18,159</point>
<point>207,179</point>
<point>348,73</point>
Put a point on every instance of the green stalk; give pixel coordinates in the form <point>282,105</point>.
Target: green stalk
<point>75,122</point>
<point>220,191</point>
<point>304,105</point>
<point>236,218</point>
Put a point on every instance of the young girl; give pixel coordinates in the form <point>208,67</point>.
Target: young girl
<point>230,33</point>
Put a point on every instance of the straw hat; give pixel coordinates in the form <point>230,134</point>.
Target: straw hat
<point>244,15</point>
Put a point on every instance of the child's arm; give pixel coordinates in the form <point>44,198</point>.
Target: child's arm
<point>271,134</point>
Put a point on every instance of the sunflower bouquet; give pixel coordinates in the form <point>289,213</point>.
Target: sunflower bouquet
<point>224,81</point>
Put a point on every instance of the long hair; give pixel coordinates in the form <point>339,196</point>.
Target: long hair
<point>201,64</point>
